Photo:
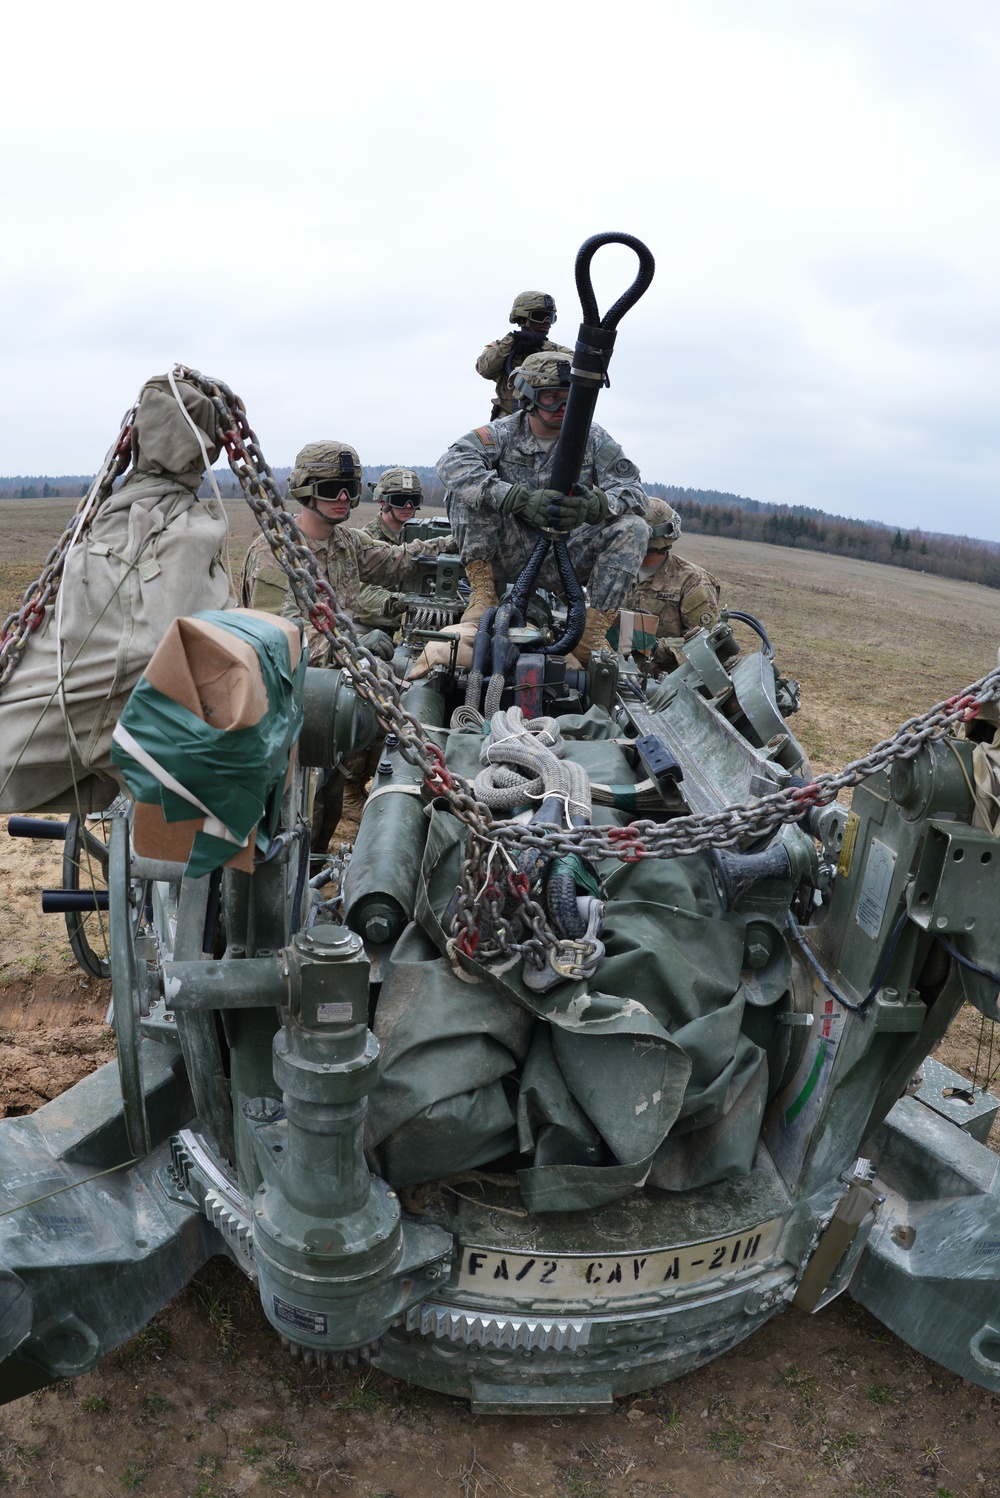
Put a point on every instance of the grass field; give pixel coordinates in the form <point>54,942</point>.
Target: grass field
<point>870,644</point>
<point>203,1402</point>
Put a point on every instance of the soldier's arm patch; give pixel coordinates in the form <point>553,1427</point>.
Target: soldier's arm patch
<point>486,437</point>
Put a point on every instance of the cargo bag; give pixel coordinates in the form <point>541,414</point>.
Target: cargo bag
<point>151,552</point>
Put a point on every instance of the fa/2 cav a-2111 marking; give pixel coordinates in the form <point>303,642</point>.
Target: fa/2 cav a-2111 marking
<point>567,1276</point>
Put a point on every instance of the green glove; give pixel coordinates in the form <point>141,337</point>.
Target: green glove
<point>582,507</point>
<point>379,643</point>
<point>531,505</point>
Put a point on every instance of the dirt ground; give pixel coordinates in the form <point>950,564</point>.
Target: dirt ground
<point>204,1402</point>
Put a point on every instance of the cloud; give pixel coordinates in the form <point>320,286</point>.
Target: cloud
<point>331,210</point>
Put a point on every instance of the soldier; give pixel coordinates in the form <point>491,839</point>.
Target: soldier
<point>496,478</point>
<point>399,497</point>
<point>327,482</point>
<point>534,312</point>
<point>683,596</point>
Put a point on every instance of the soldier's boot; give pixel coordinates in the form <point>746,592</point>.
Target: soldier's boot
<point>595,633</point>
<point>483,593</point>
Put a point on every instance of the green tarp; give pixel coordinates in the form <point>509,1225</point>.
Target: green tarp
<point>645,1075</point>
<point>231,772</point>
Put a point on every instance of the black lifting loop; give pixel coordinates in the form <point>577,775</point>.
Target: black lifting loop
<point>592,354</point>
<point>585,287</point>
<point>588,374</point>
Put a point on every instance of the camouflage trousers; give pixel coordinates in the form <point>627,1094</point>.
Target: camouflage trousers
<point>606,557</point>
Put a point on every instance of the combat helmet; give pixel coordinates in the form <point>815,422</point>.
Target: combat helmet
<point>664,525</point>
<point>533,306</point>
<point>398,485</point>
<point>322,469</point>
<point>548,370</point>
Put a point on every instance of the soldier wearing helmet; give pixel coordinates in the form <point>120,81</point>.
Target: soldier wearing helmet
<point>399,496</point>
<point>327,480</point>
<point>497,481</point>
<point>533,312</point>
<point>683,596</point>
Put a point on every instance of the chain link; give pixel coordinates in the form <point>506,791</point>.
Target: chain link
<point>496,914</point>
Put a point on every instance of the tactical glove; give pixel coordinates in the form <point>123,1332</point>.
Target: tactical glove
<point>379,643</point>
<point>526,343</point>
<point>536,506</point>
<point>581,507</point>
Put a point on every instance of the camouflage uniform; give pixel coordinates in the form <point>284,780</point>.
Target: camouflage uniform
<point>492,365</point>
<point>480,468</point>
<point>345,557</point>
<point>376,606</point>
<point>682,595</point>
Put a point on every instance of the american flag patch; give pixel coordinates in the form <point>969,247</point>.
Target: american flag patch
<point>485,436</point>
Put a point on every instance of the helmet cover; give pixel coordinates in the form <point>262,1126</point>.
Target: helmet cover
<point>537,305</point>
<point>397,481</point>
<point>325,460</point>
<point>548,370</point>
<point>664,525</point>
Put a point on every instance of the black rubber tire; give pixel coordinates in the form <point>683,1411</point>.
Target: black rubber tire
<point>85,866</point>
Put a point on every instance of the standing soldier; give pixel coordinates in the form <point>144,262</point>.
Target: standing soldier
<point>399,496</point>
<point>534,312</point>
<point>683,596</point>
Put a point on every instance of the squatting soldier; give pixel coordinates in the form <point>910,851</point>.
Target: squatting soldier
<point>399,496</point>
<point>534,312</point>
<point>683,596</point>
<point>327,482</point>
<point>497,477</point>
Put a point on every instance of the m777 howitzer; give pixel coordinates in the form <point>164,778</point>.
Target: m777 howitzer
<point>602,1055</point>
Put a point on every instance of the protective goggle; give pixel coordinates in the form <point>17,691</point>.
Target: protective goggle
<point>400,501</point>
<point>552,400</point>
<point>542,314</point>
<point>330,489</point>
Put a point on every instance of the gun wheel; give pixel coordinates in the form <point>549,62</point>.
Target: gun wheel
<point>85,867</point>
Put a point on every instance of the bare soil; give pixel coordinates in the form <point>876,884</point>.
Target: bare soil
<point>204,1402</point>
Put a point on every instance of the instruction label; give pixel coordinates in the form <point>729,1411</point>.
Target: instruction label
<point>875,888</point>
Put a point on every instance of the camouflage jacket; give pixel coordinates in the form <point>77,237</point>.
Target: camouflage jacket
<point>346,557</point>
<point>375,607</point>
<point>681,594</point>
<point>480,468</point>
<point>492,365</point>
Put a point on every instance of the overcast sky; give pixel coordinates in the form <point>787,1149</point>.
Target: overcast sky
<point>331,207</point>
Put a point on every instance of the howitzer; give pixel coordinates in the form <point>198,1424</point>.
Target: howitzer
<point>533,1110</point>
<point>621,1250</point>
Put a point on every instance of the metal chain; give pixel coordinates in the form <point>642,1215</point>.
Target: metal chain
<point>495,912</point>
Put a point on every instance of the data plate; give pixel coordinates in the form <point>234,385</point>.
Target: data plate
<point>569,1277</point>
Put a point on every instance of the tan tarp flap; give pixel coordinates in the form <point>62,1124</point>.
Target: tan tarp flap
<point>151,553</point>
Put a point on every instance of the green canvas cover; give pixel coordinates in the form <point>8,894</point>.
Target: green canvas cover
<point>645,1075</point>
<point>230,773</point>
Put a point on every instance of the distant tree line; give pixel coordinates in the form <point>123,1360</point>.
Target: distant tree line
<point>38,486</point>
<point>703,511</point>
<point>75,486</point>
<point>708,512</point>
